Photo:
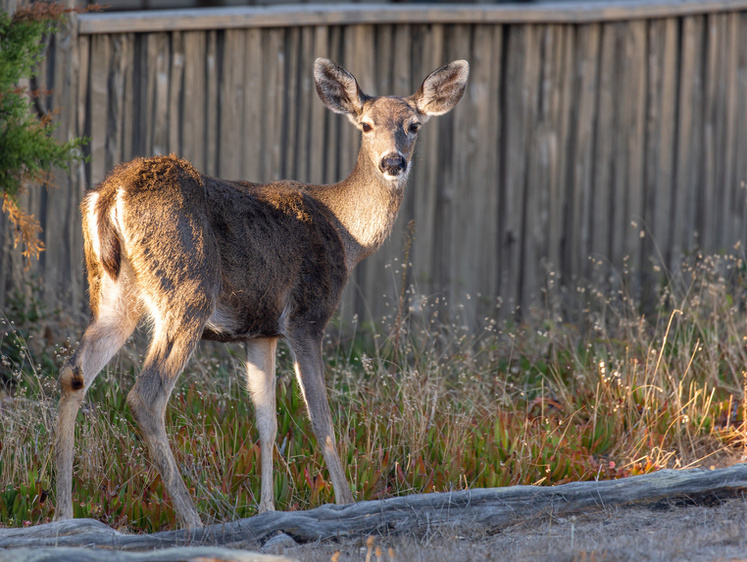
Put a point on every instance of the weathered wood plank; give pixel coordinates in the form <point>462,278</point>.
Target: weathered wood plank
<point>176,92</point>
<point>731,200</point>
<point>630,168</point>
<point>561,83</point>
<point>712,103</point>
<point>604,150</point>
<point>159,57</point>
<point>660,134</point>
<point>193,99</point>
<point>231,95</point>
<point>319,133</point>
<point>687,220</point>
<point>740,180</point>
<point>426,182</point>
<point>306,97</point>
<point>184,554</point>
<point>581,151</point>
<point>98,105</point>
<point>484,125</point>
<point>356,14</point>
<point>291,104</point>
<point>211,105</point>
<point>517,111</point>
<point>128,103</point>
<point>251,143</point>
<point>720,99</point>
<point>60,202</point>
<point>462,250</point>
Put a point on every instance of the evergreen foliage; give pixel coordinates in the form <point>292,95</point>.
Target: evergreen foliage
<point>28,150</point>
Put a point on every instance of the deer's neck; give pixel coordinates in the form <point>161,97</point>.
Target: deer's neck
<point>365,206</point>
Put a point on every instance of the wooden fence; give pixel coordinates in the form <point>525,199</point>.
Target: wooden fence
<point>614,131</point>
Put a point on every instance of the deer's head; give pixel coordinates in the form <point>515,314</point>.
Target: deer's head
<point>390,124</point>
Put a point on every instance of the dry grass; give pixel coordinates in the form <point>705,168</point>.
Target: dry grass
<point>420,405</point>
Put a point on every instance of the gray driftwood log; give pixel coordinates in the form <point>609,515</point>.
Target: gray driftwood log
<point>484,509</point>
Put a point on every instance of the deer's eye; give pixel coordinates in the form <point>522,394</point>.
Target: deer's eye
<point>414,127</point>
<point>367,128</point>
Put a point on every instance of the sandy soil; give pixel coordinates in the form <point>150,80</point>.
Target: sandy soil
<point>714,529</point>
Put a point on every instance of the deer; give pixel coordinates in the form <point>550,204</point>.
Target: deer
<point>234,261</point>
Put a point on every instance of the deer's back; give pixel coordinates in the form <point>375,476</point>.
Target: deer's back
<point>281,258</point>
<point>260,258</point>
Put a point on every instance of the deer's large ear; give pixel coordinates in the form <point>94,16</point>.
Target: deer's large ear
<point>442,89</point>
<point>337,88</point>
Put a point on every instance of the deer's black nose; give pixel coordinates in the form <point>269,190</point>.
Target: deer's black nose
<point>393,164</point>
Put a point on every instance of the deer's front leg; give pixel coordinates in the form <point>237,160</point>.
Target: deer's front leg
<point>309,367</point>
<point>260,380</point>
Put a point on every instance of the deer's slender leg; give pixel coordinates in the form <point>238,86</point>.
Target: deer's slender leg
<point>106,334</point>
<point>309,366</point>
<point>260,380</point>
<point>169,351</point>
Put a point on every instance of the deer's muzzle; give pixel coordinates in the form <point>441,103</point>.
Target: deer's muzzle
<point>393,164</point>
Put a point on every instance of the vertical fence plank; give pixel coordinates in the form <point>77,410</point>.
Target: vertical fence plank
<point>159,59</point>
<point>306,97</point>
<point>291,109</point>
<point>727,224</point>
<point>318,133</point>
<point>274,85</point>
<point>334,124</point>
<point>211,105</point>
<point>740,180</point>
<point>78,302</point>
<point>712,104</point>
<point>60,203</point>
<point>251,143</point>
<point>581,150</point>
<point>562,82</point>
<point>462,186</point>
<point>604,133</point>
<point>689,133</point>
<point>521,68</point>
<point>193,99</point>
<point>176,92</point>
<point>231,95</point>
<point>98,105</point>
<point>630,169</point>
<point>478,189</point>
<point>660,136</point>
<point>428,54</point>
<point>118,104</point>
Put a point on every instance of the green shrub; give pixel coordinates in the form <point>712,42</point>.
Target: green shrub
<point>28,151</point>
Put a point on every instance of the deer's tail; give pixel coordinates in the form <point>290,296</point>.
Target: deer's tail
<point>102,239</point>
<point>102,243</point>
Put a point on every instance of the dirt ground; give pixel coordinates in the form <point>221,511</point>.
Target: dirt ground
<point>711,530</point>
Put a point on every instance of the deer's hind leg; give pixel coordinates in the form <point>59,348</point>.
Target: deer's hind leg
<point>116,318</point>
<point>175,337</point>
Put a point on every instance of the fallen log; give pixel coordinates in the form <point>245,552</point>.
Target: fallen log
<point>186,554</point>
<point>488,509</point>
